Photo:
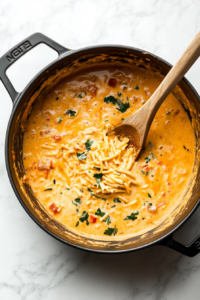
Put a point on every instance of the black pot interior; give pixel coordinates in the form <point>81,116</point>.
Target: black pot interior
<point>67,64</point>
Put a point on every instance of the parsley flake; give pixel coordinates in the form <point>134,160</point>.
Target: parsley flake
<point>149,195</point>
<point>122,107</point>
<point>70,112</point>
<point>116,200</point>
<point>111,231</point>
<point>48,189</point>
<point>136,87</point>
<point>93,194</point>
<point>84,217</point>
<point>88,144</point>
<point>77,223</point>
<point>99,213</point>
<point>60,119</point>
<point>108,220</point>
<point>98,177</point>
<point>132,216</point>
<point>81,156</point>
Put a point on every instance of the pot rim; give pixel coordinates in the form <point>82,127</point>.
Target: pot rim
<point>18,100</point>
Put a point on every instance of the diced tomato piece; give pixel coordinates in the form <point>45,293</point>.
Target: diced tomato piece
<point>159,162</point>
<point>146,169</point>
<point>169,184</point>
<point>54,208</point>
<point>57,137</point>
<point>112,82</point>
<point>92,89</point>
<point>92,219</point>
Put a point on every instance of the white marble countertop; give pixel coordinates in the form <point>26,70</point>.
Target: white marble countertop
<point>33,265</point>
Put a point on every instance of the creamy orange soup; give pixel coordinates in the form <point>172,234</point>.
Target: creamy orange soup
<point>90,181</point>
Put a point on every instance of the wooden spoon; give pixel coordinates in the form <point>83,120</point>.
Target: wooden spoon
<point>137,125</point>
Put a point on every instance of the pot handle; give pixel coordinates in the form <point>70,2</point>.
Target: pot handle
<point>20,49</point>
<point>190,250</point>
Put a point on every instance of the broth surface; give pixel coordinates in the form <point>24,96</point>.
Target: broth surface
<point>76,111</point>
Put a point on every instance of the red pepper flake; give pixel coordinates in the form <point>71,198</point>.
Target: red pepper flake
<point>54,208</point>
<point>92,89</point>
<point>177,112</point>
<point>92,219</point>
<point>57,137</point>
<point>46,174</point>
<point>169,184</point>
<point>112,82</point>
<point>51,165</point>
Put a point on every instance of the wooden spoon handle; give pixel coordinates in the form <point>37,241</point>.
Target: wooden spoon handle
<point>147,112</point>
<point>175,74</point>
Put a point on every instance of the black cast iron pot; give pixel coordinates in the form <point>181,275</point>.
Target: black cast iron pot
<point>68,62</point>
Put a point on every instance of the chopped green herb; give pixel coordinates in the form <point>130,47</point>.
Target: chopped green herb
<point>142,172</point>
<point>57,98</point>
<point>169,112</point>
<point>61,193</point>
<point>122,106</point>
<point>99,213</point>
<point>78,200</point>
<point>106,120</point>
<point>136,87</point>
<point>111,231</point>
<point>150,204</point>
<point>48,189</point>
<point>93,194</point>
<point>147,173</point>
<point>147,159</point>
<point>143,218</point>
<point>74,203</point>
<point>81,190</point>
<point>152,155</point>
<point>132,216</point>
<point>67,188</point>
<point>54,181</point>
<point>184,147</point>
<point>84,217</point>
<point>119,94</point>
<point>127,98</point>
<point>108,220</point>
<point>84,93</point>
<point>122,119</point>
<point>152,175</point>
<point>81,156</point>
<point>77,223</point>
<point>98,177</point>
<point>151,145</point>
<point>77,210</point>
<point>110,99</point>
<point>80,96</point>
<point>88,144</point>
<point>149,195</point>
<point>60,119</point>
<point>97,168</point>
<point>70,112</point>
<point>116,200</point>
<point>113,206</point>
